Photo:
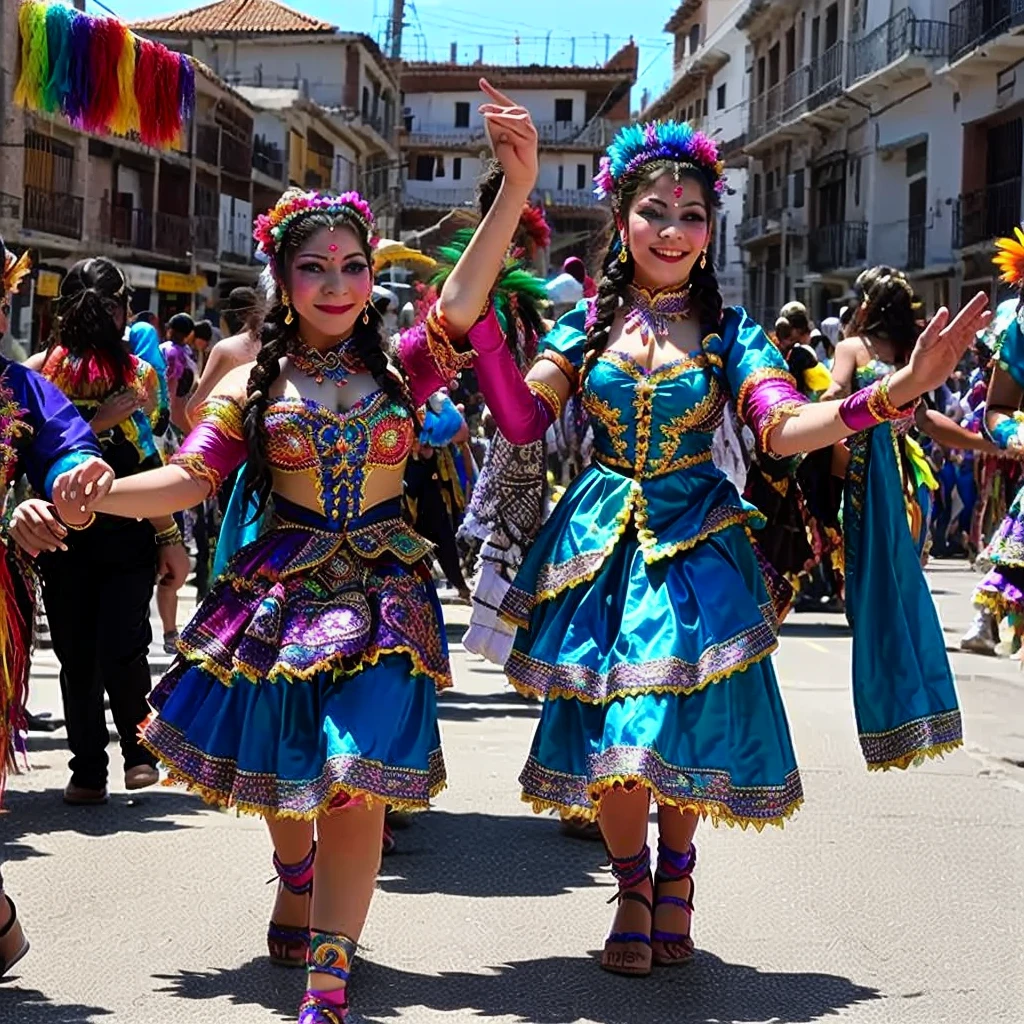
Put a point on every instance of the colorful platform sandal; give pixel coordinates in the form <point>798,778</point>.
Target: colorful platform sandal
<point>630,952</point>
<point>330,953</point>
<point>288,946</point>
<point>13,944</point>
<point>674,867</point>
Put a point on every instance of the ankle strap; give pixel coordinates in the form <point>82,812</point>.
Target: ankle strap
<point>630,871</point>
<point>296,878</point>
<point>330,953</point>
<point>679,864</point>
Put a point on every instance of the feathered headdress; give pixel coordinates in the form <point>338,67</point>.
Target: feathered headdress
<point>535,224</point>
<point>15,270</point>
<point>272,225</point>
<point>639,144</point>
<point>1010,259</point>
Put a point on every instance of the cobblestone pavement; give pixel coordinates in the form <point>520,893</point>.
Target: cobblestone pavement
<point>890,897</point>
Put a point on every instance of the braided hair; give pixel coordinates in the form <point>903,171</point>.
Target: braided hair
<point>278,337</point>
<point>87,325</point>
<point>888,309</point>
<point>617,275</point>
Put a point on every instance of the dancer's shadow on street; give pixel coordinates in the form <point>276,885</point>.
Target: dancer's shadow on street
<point>458,706</point>
<point>556,990</point>
<point>42,811</point>
<point>489,855</point>
<point>30,1006</point>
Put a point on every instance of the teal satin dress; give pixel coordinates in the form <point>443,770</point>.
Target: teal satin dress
<point>646,617</point>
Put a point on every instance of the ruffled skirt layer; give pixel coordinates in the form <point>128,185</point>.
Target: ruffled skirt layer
<point>307,677</point>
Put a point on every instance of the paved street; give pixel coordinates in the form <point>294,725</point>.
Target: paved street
<point>891,897</point>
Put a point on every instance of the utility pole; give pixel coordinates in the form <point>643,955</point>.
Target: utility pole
<point>395,29</point>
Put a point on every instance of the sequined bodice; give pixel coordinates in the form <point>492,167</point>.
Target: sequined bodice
<point>339,452</point>
<point>657,422</point>
<point>871,371</point>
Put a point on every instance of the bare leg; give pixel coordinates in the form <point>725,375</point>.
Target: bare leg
<point>676,830</point>
<point>293,841</point>
<point>347,861</point>
<point>167,606</point>
<point>623,819</point>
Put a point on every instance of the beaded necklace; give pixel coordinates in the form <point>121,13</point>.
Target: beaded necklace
<point>652,312</point>
<point>334,365</point>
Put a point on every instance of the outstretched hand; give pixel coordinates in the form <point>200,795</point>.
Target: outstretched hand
<point>76,492</point>
<point>942,344</point>
<point>512,135</point>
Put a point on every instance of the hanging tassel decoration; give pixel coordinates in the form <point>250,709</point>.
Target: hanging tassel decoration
<point>186,88</point>
<point>146,89</point>
<point>106,41</point>
<point>76,99</point>
<point>60,21</point>
<point>126,117</point>
<point>35,66</point>
<point>168,113</point>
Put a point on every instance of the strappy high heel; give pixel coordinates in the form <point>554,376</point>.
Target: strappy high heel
<point>13,944</point>
<point>621,955</point>
<point>673,867</point>
<point>330,953</point>
<point>288,946</point>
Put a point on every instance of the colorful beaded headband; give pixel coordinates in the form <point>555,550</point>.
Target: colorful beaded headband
<point>1009,258</point>
<point>272,225</point>
<point>640,144</point>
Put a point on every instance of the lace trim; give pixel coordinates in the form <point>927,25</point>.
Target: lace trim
<point>708,792</point>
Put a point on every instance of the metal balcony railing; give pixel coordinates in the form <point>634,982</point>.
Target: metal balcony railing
<point>986,213</point>
<point>208,144</point>
<point>825,77</point>
<point>836,246</point>
<point>438,198</point>
<point>268,160</point>
<point>173,234</point>
<point>128,227</point>
<point>235,155</point>
<point>973,22</point>
<point>901,35</point>
<point>782,103</point>
<point>573,198</point>
<point>207,234</point>
<point>55,212</point>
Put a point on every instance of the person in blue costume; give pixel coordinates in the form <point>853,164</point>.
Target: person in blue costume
<point>1000,594</point>
<point>43,437</point>
<point>304,687</point>
<point>646,618</point>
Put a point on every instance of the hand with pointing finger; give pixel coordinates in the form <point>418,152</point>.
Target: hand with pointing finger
<point>512,136</point>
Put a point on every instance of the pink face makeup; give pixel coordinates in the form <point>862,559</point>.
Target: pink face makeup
<point>330,282</point>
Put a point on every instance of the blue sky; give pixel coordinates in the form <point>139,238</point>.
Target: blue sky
<point>432,25</point>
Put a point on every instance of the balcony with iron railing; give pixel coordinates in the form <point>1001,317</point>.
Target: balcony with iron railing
<point>208,144</point>
<point>173,234</point>
<point>57,213</point>
<point>901,36</point>
<point>235,155</point>
<point>127,227</point>
<point>973,22</point>
<point>986,213</point>
<point>268,159</point>
<point>838,246</point>
<point>778,106</point>
<point>319,169</point>
<point>569,198</point>
<point>899,243</point>
<point>594,134</point>
<point>207,234</point>
<point>825,77</point>
<point>418,197</point>
<point>762,217</point>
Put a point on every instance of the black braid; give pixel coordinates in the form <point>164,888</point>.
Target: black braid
<point>276,338</point>
<point>706,295</point>
<point>615,279</point>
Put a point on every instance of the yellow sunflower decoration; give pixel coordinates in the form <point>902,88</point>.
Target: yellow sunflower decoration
<point>1009,258</point>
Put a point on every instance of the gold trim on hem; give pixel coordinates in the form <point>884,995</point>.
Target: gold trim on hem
<point>916,757</point>
<point>713,809</point>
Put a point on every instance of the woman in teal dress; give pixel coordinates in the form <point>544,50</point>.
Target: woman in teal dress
<point>645,614</point>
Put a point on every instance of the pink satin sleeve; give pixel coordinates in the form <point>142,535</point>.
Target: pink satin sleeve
<point>521,414</point>
<point>767,404</point>
<point>214,448</point>
<point>421,371</point>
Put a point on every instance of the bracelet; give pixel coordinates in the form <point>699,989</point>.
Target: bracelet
<point>450,362</point>
<point>83,526</point>
<point>870,406</point>
<point>169,536</point>
<point>548,395</point>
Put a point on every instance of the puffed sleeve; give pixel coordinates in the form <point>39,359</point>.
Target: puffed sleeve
<point>431,358</point>
<point>216,444</point>
<point>565,344</point>
<point>756,373</point>
<point>58,439</point>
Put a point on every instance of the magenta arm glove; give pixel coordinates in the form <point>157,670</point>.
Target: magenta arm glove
<point>215,446</point>
<point>521,414</point>
<point>767,403</point>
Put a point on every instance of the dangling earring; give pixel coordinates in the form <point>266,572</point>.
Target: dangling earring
<point>366,314</point>
<point>703,258</point>
<point>623,252</point>
<point>286,301</point>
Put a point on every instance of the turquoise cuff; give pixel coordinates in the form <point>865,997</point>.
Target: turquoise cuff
<point>1005,434</point>
<point>62,465</point>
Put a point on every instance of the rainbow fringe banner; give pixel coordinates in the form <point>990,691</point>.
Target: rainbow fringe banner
<point>102,77</point>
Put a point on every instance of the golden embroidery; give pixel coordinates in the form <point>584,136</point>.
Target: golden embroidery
<point>609,417</point>
<point>569,371</point>
<point>448,360</point>
<point>774,416</point>
<point>198,468</point>
<point>758,377</point>
<point>225,413</point>
<point>548,395</point>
